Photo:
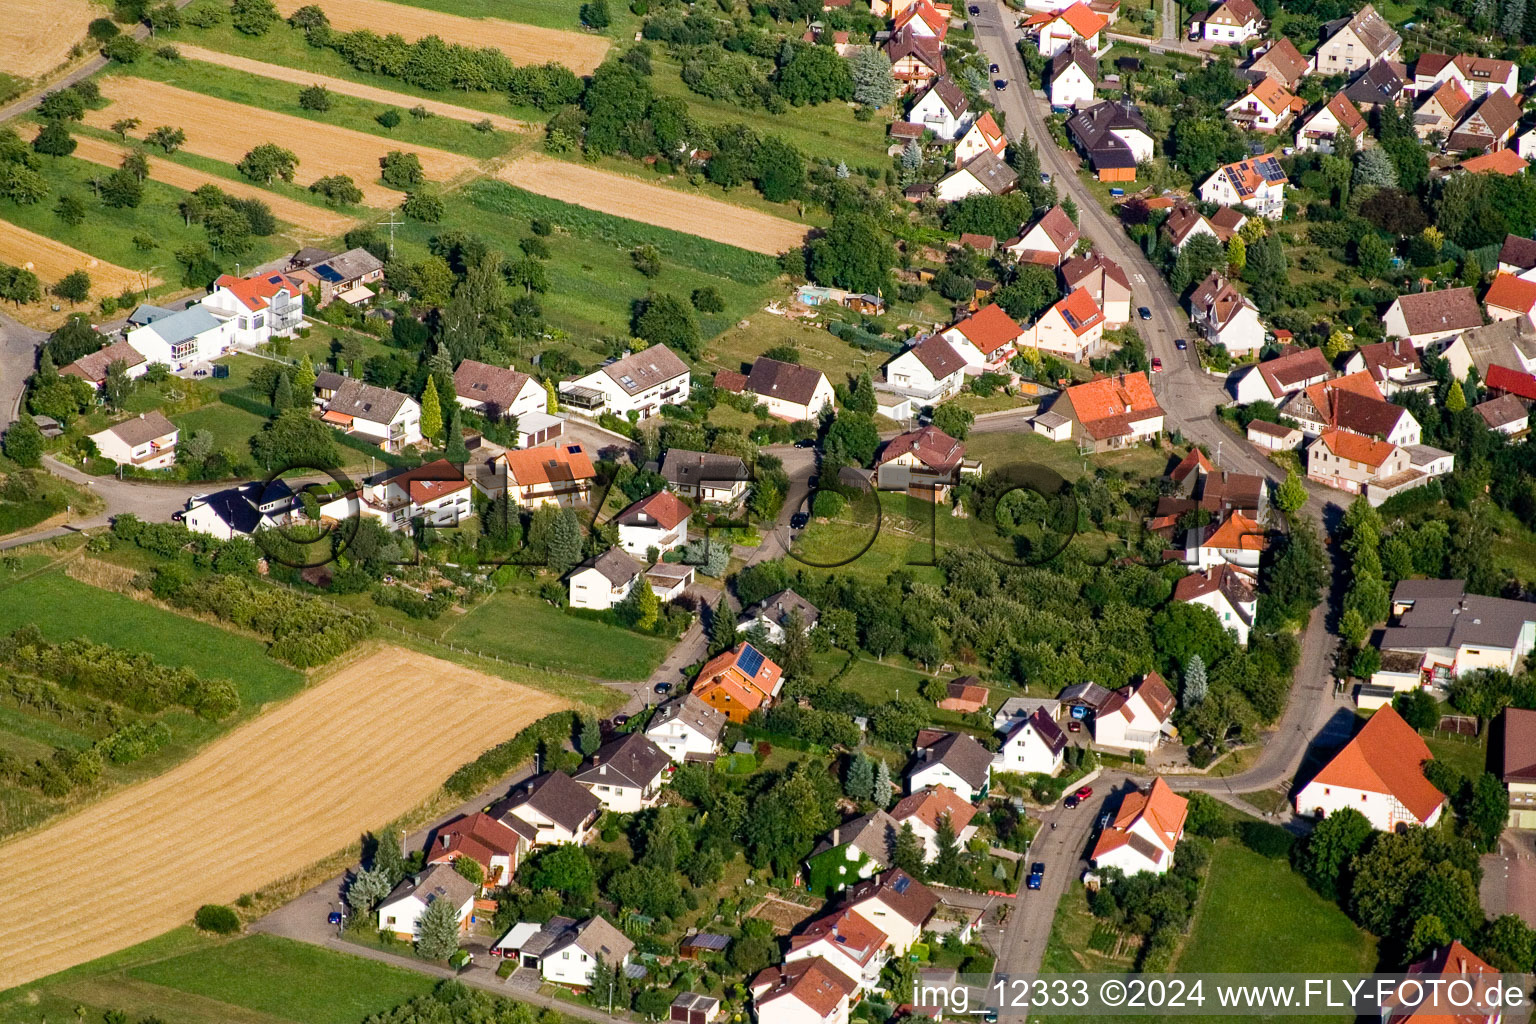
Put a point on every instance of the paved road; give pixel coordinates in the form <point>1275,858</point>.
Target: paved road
<point>18,356</point>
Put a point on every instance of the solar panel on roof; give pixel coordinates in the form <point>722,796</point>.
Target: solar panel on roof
<point>751,660</point>
<point>901,883</point>
<point>328,273</point>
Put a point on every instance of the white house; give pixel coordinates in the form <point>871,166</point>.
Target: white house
<point>986,339</point>
<point>1476,75</point>
<point>559,810</point>
<point>626,774</point>
<point>1238,541</point>
<point>1227,316</point>
<point>1135,717</point>
<point>1073,328</point>
<point>1032,744</point>
<point>1074,75</point>
<point>926,808</point>
<point>1231,593</point>
<point>378,414</point>
<point>931,371</point>
<point>1146,830</point>
<point>791,392</point>
<point>603,581</point>
<point>775,612</point>
<point>148,441</point>
<point>1509,297</point>
<point>1057,31</point>
<point>1379,774</point>
<point>952,759</point>
<point>1432,318</point>
<point>1264,107</point>
<point>809,991</point>
<point>571,956</point>
<point>1273,379</point>
<point>1049,241</point>
<point>660,522</point>
<point>943,110</point>
<point>983,136</point>
<point>710,477</point>
<point>400,913</point>
<point>498,391</point>
<point>686,727</point>
<point>1257,183</point>
<point>985,174</point>
<point>845,940</point>
<point>183,339</point>
<point>1231,21</point>
<point>1105,281</point>
<point>896,903</point>
<point>1449,632</point>
<point>240,511</point>
<point>257,308</point>
<point>93,367</point>
<point>640,383</point>
<point>436,494</point>
<point>1319,129</point>
<point>497,846</point>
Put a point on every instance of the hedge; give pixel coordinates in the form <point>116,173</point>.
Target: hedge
<point>394,460</point>
<point>240,401</point>
<point>858,337</point>
<point>215,917</point>
<point>471,778</point>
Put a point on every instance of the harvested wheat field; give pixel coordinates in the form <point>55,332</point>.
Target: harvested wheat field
<point>524,44</point>
<point>312,221</point>
<point>624,196</point>
<point>227,131</point>
<point>51,260</point>
<point>279,793</point>
<point>36,35</point>
<point>347,88</point>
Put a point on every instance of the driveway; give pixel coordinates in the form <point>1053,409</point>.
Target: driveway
<point>1509,876</point>
<point>18,357</point>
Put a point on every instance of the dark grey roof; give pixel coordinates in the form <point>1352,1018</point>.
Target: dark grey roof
<point>552,932</point>
<point>1378,83</point>
<point>615,565</point>
<point>777,608</point>
<point>692,711</point>
<point>350,265</point>
<point>1442,615</point>
<point>631,760</point>
<point>681,467</point>
<point>645,369</point>
<point>963,755</point>
<point>365,401</point>
<point>706,940</point>
<point>947,91</point>
<point>234,509</point>
<point>1080,53</point>
<point>1510,343</point>
<point>556,796</point>
<point>440,881</point>
<point>788,382</point>
<point>992,171</point>
<point>1090,694</point>
<point>329,380</point>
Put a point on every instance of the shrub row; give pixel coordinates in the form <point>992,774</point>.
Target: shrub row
<point>39,696</point>
<point>411,603</point>
<point>471,778</point>
<point>858,337</point>
<point>67,770</point>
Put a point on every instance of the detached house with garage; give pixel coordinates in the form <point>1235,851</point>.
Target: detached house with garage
<point>148,441</point>
<point>1442,111</point>
<point>986,339</point>
<point>776,612</point>
<point>687,729</point>
<point>943,110</point>
<point>626,774</point>
<point>845,940</point>
<point>570,957</point>
<point>1114,137</point>
<point>791,392</point>
<point>1231,21</point>
<point>1379,774</point>
<point>603,581</point>
<point>896,903</point>
<point>497,392</point>
<point>1274,379</point>
<point>705,476</point>
<point>1032,744</point>
<point>1227,316</point>
<point>1145,832</point>
<point>559,474</point>
<point>1111,412</point>
<point>1320,129</point>
<point>241,511</point>
<point>1073,328</point>
<point>1443,631</point>
<point>257,308</point>
<point>640,383</point>
<point>1048,241</point>
<point>1074,76</point>
<point>400,912</point>
<point>1264,108</point>
<point>924,463</point>
<point>1280,61</point>
<point>1489,125</point>
<point>952,759</point>
<point>738,682</point>
<point>1055,32</point>
<point>181,340</point>
<point>436,494</point>
<point>93,368</point>
<point>1136,717</point>
<point>1432,318</point>
<point>929,372</point>
<point>659,522</point>
<point>986,174</point>
<point>558,809</point>
<point>497,846</point>
<point>389,418</point>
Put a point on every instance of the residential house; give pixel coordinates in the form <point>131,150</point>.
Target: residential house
<point>1136,717</point>
<point>1227,316</point>
<point>1509,297</point>
<point>1059,30</point>
<point>1032,744</point>
<point>845,940</point>
<point>435,494</point>
<point>896,903</point>
<point>604,580</point>
<point>400,912</point>
<point>1432,318</point>
<point>686,728</point>
<point>659,521</point>
<point>257,308</point>
<point>1229,592</point>
<point>1501,161</point>
<point>93,368</point>
<point>1352,403</point>
<point>774,614</point>
<point>1220,492</point>
<point>708,477</point>
<point>1441,111</point>
<point>1280,61</point>
<point>1264,107</point>
<point>1377,469</point>
<point>558,474</point>
<point>986,174</point>
<point>808,991</point>
<point>1489,124</point>
<point>238,511</point>
<point>1380,85</point>
<point>345,276</point>
<point>1145,831</point>
<point>1504,381</point>
<point>1476,75</point>
<point>144,313</point>
<point>1237,540</point>
<point>559,810</point>
<point>924,463</point>
<point>669,580</point>
<point>640,383</point>
<point>496,846</point>
<point>626,774</point>
<point>1111,412</point>
<point>147,441</point>
<point>1319,130</point>
<point>1048,242</point>
<point>1518,771</point>
<point>738,682</point>
<point>915,60</point>
<point>1349,44</point>
<point>1525,144</point>
<point>1074,76</point>
<point>1230,21</point>
<point>924,18</point>
<point>1393,365</point>
<point>572,956</point>
<point>1073,328</point>
<point>952,759</point>
<point>1114,137</point>
<point>965,695</point>
<point>943,109</point>
<point>1505,415</point>
<point>183,339</point>
<point>1185,223</point>
<point>1508,344</point>
<point>930,371</point>
<point>1448,631</point>
<point>853,851</point>
<point>1462,988</point>
<point>390,418</point>
<point>498,392</point>
<point>1273,379</point>
<point>983,136</point>
<point>1023,707</point>
<point>1103,279</point>
<point>1379,774</point>
<point>1516,256</point>
<point>1256,182</point>
<point>986,339</point>
<point>790,392</point>
<point>924,810</point>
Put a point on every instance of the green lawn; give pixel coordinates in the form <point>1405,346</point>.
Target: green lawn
<point>559,14</point>
<point>230,427</point>
<point>523,628</point>
<point>1009,447</point>
<point>1468,754</point>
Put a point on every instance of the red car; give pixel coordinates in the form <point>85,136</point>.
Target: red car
<point>1157,365</point>
<point>1084,793</point>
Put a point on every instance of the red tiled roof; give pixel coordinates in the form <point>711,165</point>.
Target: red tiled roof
<point>1357,447</point>
<point>932,446</point>
<point>849,930</point>
<point>431,481</point>
<point>1516,382</point>
<point>1162,809</point>
<point>989,329</point>
<point>1239,533</point>
<point>1083,20</point>
<point>813,982</point>
<point>255,292</point>
<point>929,805</point>
<point>663,509</point>
<point>552,464</point>
<point>1386,757</point>
<point>991,132</point>
<point>1106,407</point>
<point>1511,292</point>
<point>1081,313</point>
<point>1500,161</point>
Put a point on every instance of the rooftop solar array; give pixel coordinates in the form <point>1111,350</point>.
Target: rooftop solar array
<point>751,660</point>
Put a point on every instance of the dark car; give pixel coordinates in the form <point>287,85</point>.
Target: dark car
<point>1000,84</point>
<point>1084,793</point>
<point>1074,726</point>
<point>1144,312</point>
<point>334,917</point>
<point>1180,344</point>
<point>1037,868</point>
<point>799,520</point>
<point>993,69</point>
<point>1070,802</point>
<point>1033,882</point>
<point>974,9</point>
<point>663,688</point>
<point>619,721</point>
<point>806,442</point>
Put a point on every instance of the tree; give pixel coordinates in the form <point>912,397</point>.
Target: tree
<point>253,17</point>
<point>337,190</point>
<point>853,438</point>
<point>19,285</point>
<point>122,189</point>
<point>1455,398</point>
<point>125,125</point>
<point>883,785</point>
<point>291,439</point>
<point>1327,852</point>
<point>722,628</point>
<point>907,853</point>
<point>1030,293</point>
<point>1486,809</point>
<point>423,204</point>
<point>594,14</point>
<point>63,105</point>
<point>1374,167</point>
<point>1418,709</point>
<point>568,871</point>
<point>54,140</point>
<point>646,259</point>
<point>268,162</point>
<point>643,604</point>
<point>282,394</point>
<point>316,97</point>
<point>23,442</point>
<point>1292,494</point>
<point>217,918</point>
<point>304,378</point>
<point>70,209</point>
<point>590,737</point>
<point>124,49</point>
<point>438,927</point>
<point>74,286</point>
<point>564,543</point>
<point>665,319</point>
<point>854,254</point>
<point>860,782</point>
<point>431,410</point>
<point>1195,685</point>
<point>401,170</point>
<point>954,419</point>
<point>167,138</point>
<point>367,889</point>
<point>947,869</point>
<point>873,84</point>
<point>1196,259</point>
<point>1373,255</point>
<point>455,450</point>
<point>707,299</point>
<point>1237,254</point>
<point>116,384</point>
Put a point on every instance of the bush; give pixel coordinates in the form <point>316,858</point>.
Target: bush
<point>217,918</point>
<point>1266,840</point>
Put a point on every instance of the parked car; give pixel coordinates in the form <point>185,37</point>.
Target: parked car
<point>1157,365</point>
<point>619,721</point>
<point>1144,312</point>
<point>1000,84</point>
<point>993,69</point>
<point>974,9</point>
<point>1045,178</point>
<point>663,688</point>
<point>1074,726</point>
<point>799,520</point>
<point>1070,802</point>
<point>806,442</point>
<point>1033,882</point>
<point>334,917</point>
<point>1084,793</point>
<point>1180,344</point>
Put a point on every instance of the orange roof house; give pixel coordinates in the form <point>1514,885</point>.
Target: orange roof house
<point>1145,831</point>
<point>1379,773</point>
<point>986,337</point>
<point>1112,412</point>
<point>1501,161</point>
<point>933,803</point>
<point>1265,106</point>
<point>560,474</point>
<point>1425,1004</point>
<point>930,21</point>
<point>1510,296</point>
<point>738,682</point>
<point>984,134</point>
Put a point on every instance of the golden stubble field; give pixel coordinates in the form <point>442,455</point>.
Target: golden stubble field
<point>51,260</point>
<point>36,35</point>
<point>279,793</point>
<point>623,196</point>
<point>524,44</point>
<point>227,131</point>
